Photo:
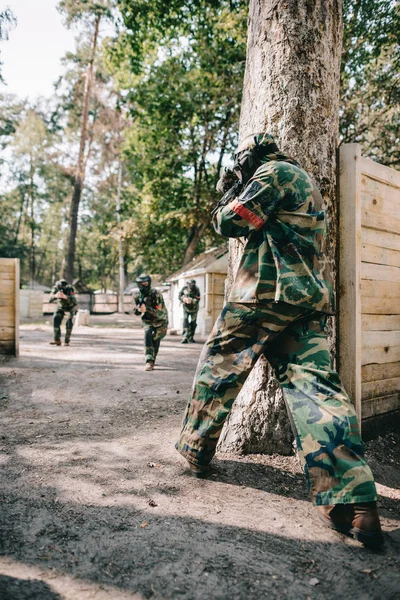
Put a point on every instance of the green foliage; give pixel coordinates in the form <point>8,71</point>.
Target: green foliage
<point>7,22</point>
<point>166,98</point>
<point>185,106</point>
<point>11,111</point>
<point>33,210</point>
<point>10,245</point>
<point>157,22</point>
<point>76,11</point>
<point>30,139</point>
<point>370,83</point>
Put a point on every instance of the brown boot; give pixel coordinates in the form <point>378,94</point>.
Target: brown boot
<point>366,525</point>
<point>55,343</point>
<point>336,516</point>
<point>149,366</point>
<point>199,471</point>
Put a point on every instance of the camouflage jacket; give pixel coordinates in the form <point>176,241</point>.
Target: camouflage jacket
<point>281,214</point>
<point>194,298</point>
<point>69,303</point>
<point>156,313</point>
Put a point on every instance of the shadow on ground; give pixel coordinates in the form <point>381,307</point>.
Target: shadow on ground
<point>170,557</point>
<point>12,588</point>
<point>96,504</point>
<point>144,541</point>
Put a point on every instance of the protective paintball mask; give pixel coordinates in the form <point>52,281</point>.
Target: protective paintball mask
<point>250,154</point>
<point>62,284</point>
<point>144,284</point>
<point>246,164</point>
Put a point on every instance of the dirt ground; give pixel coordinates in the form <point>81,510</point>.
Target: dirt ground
<point>97,504</point>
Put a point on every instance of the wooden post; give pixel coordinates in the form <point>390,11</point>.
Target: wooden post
<point>9,306</point>
<point>16,306</point>
<point>349,289</point>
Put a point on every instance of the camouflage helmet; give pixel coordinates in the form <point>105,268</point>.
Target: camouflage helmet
<point>262,143</point>
<point>250,154</point>
<point>144,282</point>
<point>62,283</point>
<point>191,283</point>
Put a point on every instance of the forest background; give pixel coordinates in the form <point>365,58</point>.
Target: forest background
<point>130,144</point>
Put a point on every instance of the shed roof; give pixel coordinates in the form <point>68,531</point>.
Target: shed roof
<point>81,287</point>
<point>214,260</point>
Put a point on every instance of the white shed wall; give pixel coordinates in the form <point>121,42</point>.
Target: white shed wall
<point>175,310</point>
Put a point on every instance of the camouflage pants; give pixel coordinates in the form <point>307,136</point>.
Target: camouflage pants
<point>152,340</point>
<point>322,416</point>
<point>58,319</point>
<point>189,324</point>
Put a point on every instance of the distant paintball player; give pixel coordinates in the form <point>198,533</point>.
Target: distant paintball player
<point>149,304</point>
<point>278,307</point>
<point>189,296</point>
<point>67,303</point>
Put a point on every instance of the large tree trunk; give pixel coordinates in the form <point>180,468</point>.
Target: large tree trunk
<point>291,90</point>
<point>80,167</point>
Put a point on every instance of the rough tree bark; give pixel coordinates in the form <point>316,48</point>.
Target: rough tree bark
<point>80,167</point>
<point>291,90</point>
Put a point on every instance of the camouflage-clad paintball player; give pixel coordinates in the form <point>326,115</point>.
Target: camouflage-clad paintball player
<point>67,303</point>
<point>278,307</point>
<point>189,296</point>
<point>149,303</point>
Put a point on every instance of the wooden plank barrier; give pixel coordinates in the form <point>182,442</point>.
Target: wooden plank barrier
<point>97,303</point>
<point>9,306</point>
<point>369,282</point>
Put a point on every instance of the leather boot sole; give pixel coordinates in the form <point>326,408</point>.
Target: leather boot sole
<point>370,540</point>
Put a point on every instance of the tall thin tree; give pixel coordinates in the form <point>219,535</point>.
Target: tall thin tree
<point>80,166</point>
<point>121,266</point>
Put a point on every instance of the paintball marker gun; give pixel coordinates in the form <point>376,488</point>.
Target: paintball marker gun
<point>229,185</point>
<point>140,305</point>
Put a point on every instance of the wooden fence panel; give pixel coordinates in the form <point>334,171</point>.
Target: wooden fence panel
<point>9,306</point>
<point>349,297</point>
<point>105,303</point>
<point>95,303</point>
<point>369,275</point>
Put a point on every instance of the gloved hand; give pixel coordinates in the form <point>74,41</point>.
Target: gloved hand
<point>141,308</point>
